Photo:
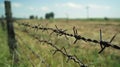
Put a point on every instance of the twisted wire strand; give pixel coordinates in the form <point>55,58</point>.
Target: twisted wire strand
<point>62,51</point>
<point>75,35</point>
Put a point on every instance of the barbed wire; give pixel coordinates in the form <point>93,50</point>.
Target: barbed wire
<point>60,32</point>
<point>62,51</point>
<point>33,52</point>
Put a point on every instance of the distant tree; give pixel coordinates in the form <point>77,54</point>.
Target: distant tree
<point>31,17</point>
<point>105,18</point>
<point>49,15</point>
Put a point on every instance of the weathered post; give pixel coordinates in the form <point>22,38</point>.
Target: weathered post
<point>10,31</point>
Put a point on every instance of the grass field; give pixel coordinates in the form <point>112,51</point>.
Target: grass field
<point>85,51</point>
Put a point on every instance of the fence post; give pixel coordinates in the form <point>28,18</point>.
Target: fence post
<point>10,31</point>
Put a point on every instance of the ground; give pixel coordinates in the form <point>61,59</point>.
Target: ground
<point>87,52</point>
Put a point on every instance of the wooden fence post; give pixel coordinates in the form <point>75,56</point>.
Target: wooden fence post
<point>10,31</point>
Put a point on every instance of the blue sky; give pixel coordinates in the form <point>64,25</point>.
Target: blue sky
<point>64,8</point>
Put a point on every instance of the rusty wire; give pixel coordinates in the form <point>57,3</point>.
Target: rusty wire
<point>60,32</point>
<point>62,51</point>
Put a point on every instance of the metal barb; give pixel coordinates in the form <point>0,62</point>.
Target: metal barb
<point>60,32</point>
<point>101,39</point>
<point>113,38</point>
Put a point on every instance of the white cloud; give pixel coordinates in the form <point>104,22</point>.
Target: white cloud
<point>16,5</point>
<point>70,5</point>
<point>32,8</point>
<point>83,6</point>
<point>44,8</point>
<point>95,6</point>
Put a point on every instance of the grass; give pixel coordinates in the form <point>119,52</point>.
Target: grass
<point>86,52</point>
<point>4,50</point>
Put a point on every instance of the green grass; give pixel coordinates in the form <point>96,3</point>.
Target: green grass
<point>4,50</point>
<point>85,51</point>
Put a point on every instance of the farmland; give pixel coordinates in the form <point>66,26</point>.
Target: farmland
<point>87,52</point>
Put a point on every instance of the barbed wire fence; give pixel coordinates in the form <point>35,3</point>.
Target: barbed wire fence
<point>61,32</point>
<point>62,50</point>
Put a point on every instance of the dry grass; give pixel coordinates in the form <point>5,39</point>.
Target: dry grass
<point>87,52</point>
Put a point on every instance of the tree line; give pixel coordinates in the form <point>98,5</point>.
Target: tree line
<point>49,15</point>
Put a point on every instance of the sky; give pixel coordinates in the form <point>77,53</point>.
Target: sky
<point>64,8</point>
